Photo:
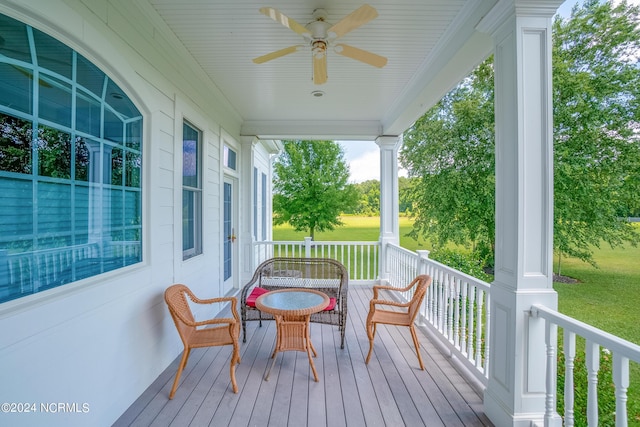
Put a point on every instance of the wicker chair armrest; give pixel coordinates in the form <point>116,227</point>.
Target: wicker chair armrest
<point>375,302</point>
<point>197,300</point>
<point>212,300</point>
<point>377,288</point>
<point>216,321</point>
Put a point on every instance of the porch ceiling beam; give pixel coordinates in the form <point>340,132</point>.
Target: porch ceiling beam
<point>359,130</point>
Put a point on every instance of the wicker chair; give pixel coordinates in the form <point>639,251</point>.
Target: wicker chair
<point>321,274</point>
<point>196,334</point>
<point>395,317</point>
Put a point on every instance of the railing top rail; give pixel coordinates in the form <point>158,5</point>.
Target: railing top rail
<point>401,249</point>
<point>605,339</point>
<point>459,274</point>
<point>318,242</point>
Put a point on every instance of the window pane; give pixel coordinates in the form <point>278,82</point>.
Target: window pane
<point>188,220</point>
<point>116,166</point>
<point>134,135</point>
<point>82,159</point>
<point>16,85</point>
<point>54,153</point>
<point>81,212</point>
<point>113,127</point>
<point>255,203</point>
<point>133,208</point>
<point>133,168</point>
<point>190,158</point>
<point>264,207</point>
<point>15,42</point>
<point>229,158</point>
<point>54,211</point>
<point>52,54</point>
<point>16,212</point>
<point>89,76</point>
<point>55,100</point>
<point>88,117</point>
<point>116,204</point>
<point>120,102</point>
<point>15,144</point>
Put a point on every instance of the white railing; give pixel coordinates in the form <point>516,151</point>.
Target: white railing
<point>456,306</point>
<point>620,351</point>
<point>360,258</point>
<point>456,312</point>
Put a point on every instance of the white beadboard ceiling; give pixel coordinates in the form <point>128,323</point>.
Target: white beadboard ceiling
<point>429,44</point>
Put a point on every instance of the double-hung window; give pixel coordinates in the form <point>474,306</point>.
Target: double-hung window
<point>191,191</point>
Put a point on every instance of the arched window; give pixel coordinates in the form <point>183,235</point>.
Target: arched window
<point>70,166</point>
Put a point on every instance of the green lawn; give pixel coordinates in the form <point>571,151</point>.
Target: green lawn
<point>607,297</point>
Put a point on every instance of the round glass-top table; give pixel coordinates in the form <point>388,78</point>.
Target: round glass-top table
<point>292,309</point>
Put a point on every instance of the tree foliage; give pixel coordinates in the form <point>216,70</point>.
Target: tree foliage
<point>596,89</point>
<point>311,186</point>
<point>450,151</point>
<point>596,84</point>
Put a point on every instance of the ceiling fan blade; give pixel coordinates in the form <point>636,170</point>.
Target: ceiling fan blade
<point>276,54</point>
<point>361,55</point>
<point>283,19</point>
<point>319,69</point>
<point>355,19</point>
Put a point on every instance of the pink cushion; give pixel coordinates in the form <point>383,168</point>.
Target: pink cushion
<point>332,304</point>
<point>253,296</point>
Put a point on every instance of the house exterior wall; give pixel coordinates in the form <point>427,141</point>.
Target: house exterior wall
<point>96,344</point>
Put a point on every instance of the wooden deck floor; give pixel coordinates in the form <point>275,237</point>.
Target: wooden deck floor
<point>390,391</point>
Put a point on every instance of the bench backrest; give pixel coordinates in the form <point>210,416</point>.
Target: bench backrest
<point>324,274</point>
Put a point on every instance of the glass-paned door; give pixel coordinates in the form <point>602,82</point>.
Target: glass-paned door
<point>229,236</point>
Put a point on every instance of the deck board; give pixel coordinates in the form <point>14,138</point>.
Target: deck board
<point>390,391</point>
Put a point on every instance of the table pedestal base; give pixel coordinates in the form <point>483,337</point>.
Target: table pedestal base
<point>293,335</point>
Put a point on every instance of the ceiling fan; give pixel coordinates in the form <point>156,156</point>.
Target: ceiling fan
<point>319,35</point>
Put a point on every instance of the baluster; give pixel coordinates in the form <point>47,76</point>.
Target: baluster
<point>487,332</point>
<point>621,380</point>
<point>456,295</point>
<point>463,320</point>
<point>430,296</point>
<point>360,251</point>
<point>470,317</point>
<point>439,300</point>
<point>569,357</point>
<point>592,351</point>
<point>551,338</point>
<point>479,307</point>
<point>450,291</point>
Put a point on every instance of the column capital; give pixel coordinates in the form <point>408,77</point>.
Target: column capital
<point>253,140</point>
<point>506,9</point>
<point>388,141</point>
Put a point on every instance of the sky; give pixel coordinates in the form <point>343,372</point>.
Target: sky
<point>363,157</point>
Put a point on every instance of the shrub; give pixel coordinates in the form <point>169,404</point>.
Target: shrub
<point>466,262</point>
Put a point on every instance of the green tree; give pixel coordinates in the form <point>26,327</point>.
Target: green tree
<point>404,194</point>
<point>311,186</point>
<point>596,147</point>
<point>368,198</point>
<point>450,153</point>
<point>596,89</point>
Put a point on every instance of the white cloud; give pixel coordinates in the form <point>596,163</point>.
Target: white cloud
<point>365,167</point>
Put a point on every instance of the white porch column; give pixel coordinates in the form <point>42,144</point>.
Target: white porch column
<point>389,209</point>
<point>245,236</point>
<point>521,30</point>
